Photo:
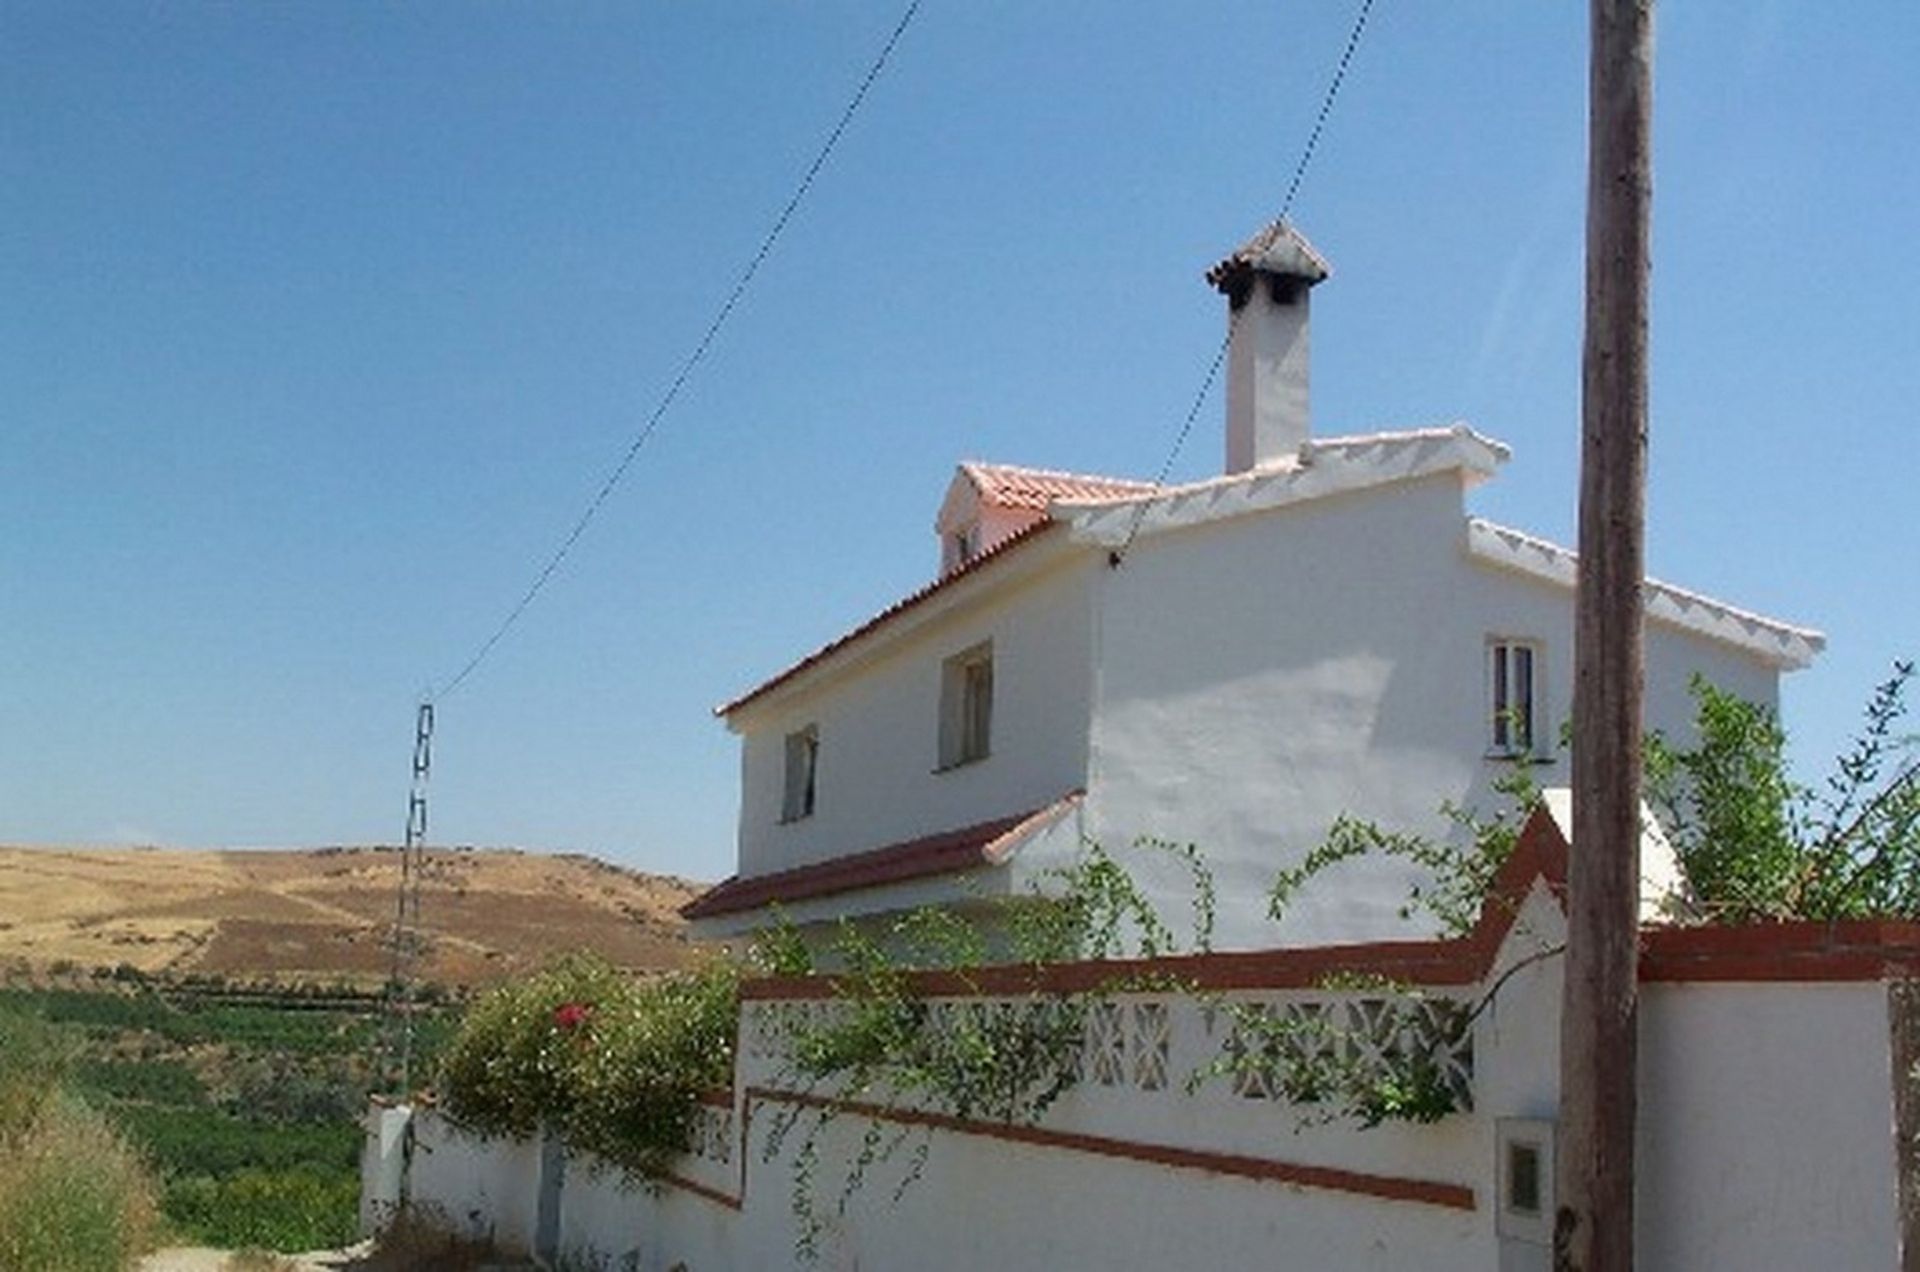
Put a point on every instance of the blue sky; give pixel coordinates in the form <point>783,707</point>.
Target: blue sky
<point>323,321</point>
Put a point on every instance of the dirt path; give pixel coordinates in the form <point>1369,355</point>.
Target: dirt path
<point>352,1259</point>
<point>201,1259</point>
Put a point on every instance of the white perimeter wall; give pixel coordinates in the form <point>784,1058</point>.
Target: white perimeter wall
<point>1766,1128</point>
<point>880,730</point>
<point>1766,1146</point>
<point>1260,676</point>
<point>486,1189</point>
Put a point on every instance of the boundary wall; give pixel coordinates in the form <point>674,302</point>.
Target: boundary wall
<point>1777,1121</point>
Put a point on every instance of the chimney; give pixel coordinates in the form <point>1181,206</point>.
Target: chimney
<point>1266,283</point>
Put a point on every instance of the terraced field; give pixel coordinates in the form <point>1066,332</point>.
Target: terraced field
<point>322,914</point>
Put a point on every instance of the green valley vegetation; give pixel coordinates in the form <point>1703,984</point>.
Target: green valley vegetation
<point>245,1107</point>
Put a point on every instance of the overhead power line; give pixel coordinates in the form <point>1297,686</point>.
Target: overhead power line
<point>408,940</point>
<point>693,359</point>
<point>1307,152</point>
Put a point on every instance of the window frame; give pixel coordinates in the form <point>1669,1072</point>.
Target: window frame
<point>1504,680</point>
<point>1533,1137</point>
<point>800,768</point>
<point>966,707</point>
<point>963,546</point>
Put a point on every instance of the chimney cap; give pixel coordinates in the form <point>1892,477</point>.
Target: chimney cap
<point>1278,249</point>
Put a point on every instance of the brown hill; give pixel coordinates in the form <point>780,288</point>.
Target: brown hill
<point>326,914</point>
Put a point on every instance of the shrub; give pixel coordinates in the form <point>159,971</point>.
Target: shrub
<point>34,1057</point>
<point>147,1081</point>
<point>1758,846</point>
<point>615,1063</point>
<point>642,1067</point>
<point>73,1196</point>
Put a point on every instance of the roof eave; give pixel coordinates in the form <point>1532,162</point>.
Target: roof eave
<point>1323,468</point>
<point>1019,557</point>
<point>942,855</point>
<point>1784,646</point>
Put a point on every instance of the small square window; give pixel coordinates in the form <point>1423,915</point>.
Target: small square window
<point>1525,1164</point>
<point>966,706</point>
<point>1523,1178</point>
<point>803,760</point>
<point>1513,687</point>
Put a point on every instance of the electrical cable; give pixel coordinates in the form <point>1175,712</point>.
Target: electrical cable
<point>406,941</point>
<point>692,360</point>
<point>1307,152</point>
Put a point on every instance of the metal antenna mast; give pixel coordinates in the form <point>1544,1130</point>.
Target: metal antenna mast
<point>406,909</point>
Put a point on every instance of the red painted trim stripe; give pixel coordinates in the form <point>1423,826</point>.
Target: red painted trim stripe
<point>1266,1170</point>
<point>700,1190</point>
<point>1835,967</point>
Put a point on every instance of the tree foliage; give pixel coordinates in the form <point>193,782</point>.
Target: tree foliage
<point>1753,844</point>
<point>1757,846</point>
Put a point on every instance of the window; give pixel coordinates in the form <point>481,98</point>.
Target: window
<point>1523,1178</point>
<point>1513,685</point>
<point>1526,1201</point>
<point>803,759</point>
<point>965,545</point>
<point>966,706</point>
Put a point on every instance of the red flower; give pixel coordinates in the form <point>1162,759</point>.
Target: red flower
<point>571,1016</point>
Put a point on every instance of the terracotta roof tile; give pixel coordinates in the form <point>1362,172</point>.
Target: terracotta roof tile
<point>1011,486</point>
<point>947,852</point>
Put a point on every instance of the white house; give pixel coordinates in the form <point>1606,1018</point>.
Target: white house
<point>1233,663</point>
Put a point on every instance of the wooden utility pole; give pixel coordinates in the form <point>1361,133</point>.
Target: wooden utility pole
<point>1599,1022</point>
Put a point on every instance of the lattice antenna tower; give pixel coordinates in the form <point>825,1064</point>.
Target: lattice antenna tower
<point>407,940</point>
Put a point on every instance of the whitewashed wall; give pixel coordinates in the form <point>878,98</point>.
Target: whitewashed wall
<point>486,1189</point>
<point>1766,1115</point>
<point>1260,676</point>
<point>383,1164</point>
<point>877,782</point>
<point>1766,1128</point>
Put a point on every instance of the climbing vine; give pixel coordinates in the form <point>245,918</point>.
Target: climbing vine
<point>1457,872</point>
<point>618,1065</point>
<point>884,1045</point>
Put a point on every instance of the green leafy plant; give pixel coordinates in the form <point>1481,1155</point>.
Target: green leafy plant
<point>614,1063</point>
<point>1757,846</point>
<point>886,1044</point>
<point>34,1059</point>
<point>1458,871</point>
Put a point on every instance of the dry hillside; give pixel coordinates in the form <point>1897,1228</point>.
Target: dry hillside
<point>326,913</point>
